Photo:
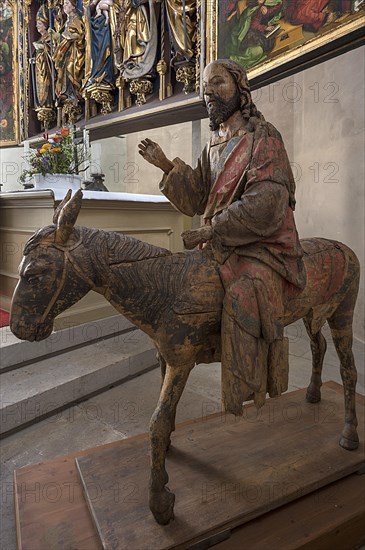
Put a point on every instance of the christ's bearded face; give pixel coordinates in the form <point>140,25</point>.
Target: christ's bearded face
<point>220,94</point>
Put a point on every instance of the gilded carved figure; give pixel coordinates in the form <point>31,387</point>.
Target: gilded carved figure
<point>182,26</point>
<point>136,38</point>
<point>113,53</point>
<point>100,72</point>
<point>102,8</point>
<point>69,59</point>
<point>44,71</point>
<point>181,17</point>
<point>141,30</point>
<point>135,47</point>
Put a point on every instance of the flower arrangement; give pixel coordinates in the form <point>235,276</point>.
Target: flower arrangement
<point>58,155</point>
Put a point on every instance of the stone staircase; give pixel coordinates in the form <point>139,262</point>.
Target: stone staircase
<point>38,379</point>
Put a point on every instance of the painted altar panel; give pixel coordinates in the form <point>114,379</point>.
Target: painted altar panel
<point>8,73</point>
<point>275,35</point>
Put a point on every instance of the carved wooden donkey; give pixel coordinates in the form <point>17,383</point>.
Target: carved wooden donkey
<point>177,300</point>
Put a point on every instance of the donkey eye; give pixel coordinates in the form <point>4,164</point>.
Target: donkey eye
<point>34,277</point>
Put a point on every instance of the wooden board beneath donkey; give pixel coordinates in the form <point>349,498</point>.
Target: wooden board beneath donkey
<point>224,471</point>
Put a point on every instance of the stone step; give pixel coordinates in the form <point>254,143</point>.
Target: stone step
<point>16,353</point>
<point>37,390</point>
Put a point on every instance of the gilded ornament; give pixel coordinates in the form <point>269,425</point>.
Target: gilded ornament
<point>104,98</point>
<point>46,115</point>
<point>186,74</point>
<point>71,111</point>
<point>140,88</point>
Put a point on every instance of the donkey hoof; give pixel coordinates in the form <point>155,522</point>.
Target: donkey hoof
<point>313,397</point>
<point>348,444</point>
<point>349,439</point>
<point>313,393</point>
<point>162,506</point>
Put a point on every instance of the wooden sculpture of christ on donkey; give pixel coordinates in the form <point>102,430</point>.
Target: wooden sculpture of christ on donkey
<point>229,301</point>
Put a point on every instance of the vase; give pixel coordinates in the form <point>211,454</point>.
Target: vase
<point>57,181</point>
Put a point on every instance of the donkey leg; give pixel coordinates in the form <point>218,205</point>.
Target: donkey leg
<point>161,499</point>
<point>343,342</point>
<point>341,329</point>
<point>318,347</point>
<point>162,363</point>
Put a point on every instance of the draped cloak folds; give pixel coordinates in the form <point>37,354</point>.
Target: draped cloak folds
<point>99,67</point>
<point>43,70</point>
<point>245,189</point>
<point>69,58</point>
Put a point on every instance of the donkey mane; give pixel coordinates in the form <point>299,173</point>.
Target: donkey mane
<point>121,248</point>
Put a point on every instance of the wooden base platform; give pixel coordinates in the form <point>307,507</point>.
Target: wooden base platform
<point>224,471</point>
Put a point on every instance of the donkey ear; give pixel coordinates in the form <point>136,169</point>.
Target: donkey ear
<point>67,217</point>
<point>61,205</point>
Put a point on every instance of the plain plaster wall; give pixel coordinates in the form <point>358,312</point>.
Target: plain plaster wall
<point>175,140</point>
<point>109,156</point>
<point>320,113</point>
<point>328,145</point>
<point>12,164</point>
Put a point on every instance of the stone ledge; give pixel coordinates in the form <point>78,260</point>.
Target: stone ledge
<point>42,388</point>
<point>17,353</point>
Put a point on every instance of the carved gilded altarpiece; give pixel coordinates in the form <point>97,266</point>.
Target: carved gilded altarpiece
<point>121,66</point>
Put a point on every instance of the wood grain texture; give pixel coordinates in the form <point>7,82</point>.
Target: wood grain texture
<point>50,508</point>
<point>332,517</point>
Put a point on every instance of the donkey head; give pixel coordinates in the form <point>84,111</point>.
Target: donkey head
<point>48,283</point>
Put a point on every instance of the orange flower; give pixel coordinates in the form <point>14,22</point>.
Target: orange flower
<point>56,150</point>
<point>46,146</point>
<point>64,132</point>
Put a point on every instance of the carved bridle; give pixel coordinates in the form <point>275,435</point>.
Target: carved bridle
<point>67,259</point>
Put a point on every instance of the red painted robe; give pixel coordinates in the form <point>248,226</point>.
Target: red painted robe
<point>308,13</point>
<point>244,188</point>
